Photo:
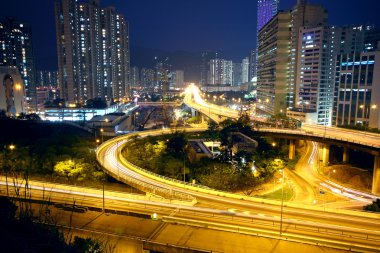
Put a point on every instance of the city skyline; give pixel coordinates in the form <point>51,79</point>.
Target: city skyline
<point>192,27</point>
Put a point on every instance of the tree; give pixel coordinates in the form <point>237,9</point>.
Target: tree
<point>374,207</point>
<point>77,170</point>
<point>87,245</point>
<point>177,143</point>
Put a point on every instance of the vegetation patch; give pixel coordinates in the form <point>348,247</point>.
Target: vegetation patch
<point>167,155</point>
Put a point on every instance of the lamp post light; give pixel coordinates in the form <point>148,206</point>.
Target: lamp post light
<point>363,116</point>
<point>11,148</point>
<point>134,121</point>
<point>101,131</point>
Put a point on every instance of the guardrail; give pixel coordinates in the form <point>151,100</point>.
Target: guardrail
<point>165,190</point>
<point>243,223</point>
<point>319,135</point>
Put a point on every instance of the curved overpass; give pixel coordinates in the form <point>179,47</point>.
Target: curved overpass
<point>368,142</point>
<point>194,100</point>
<point>365,226</point>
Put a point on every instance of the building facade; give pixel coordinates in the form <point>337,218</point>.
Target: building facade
<point>16,49</point>
<point>357,92</point>
<point>252,64</point>
<point>266,9</point>
<point>221,72</point>
<point>315,73</point>
<point>177,80</point>
<point>318,48</point>
<point>47,78</point>
<point>135,77</point>
<point>237,74</point>
<point>12,91</point>
<point>245,70</point>
<point>303,14</point>
<point>93,51</point>
<point>147,79</point>
<point>273,64</point>
<point>207,56</point>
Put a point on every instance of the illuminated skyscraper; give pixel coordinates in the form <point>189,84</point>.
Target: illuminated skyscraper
<point>135,77</point>
<point>266,9</point>
<point>220,72</point>
<point>273,64</point>
<point>303,15</point>
<point>207,56</point>
<point>16,50</point>
<point>93,51</point>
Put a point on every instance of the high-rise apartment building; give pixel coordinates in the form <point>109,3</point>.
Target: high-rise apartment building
<point>135,77</point>
<point>357,98</point>
<point>177,79</point>
<point>16,49</point>
<point>252,64</point>
<point>273,64</point>
<point>47,78</point>
<point>315,73</point>
<point>93,51</point>
<point>147,79</point>
<point>221,72</point>
<point>371,38</point>
<point>318,48</point>
<point>303,14</point>
<point>207,56</point>
<point>236,74</point>
<point>245,70</point>
<point>266,9</point>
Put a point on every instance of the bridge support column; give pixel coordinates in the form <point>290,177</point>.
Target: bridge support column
<point>193,112</point>
<point>376,176</point>
<point>325,154</point>
<point>345,155</point>
<point>292,149</point>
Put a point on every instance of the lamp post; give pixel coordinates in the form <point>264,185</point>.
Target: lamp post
<point>101,131</point>
<point>134,121</point>
<point>11,148</point>
<point>373,107</point>
<point>363,116</point>
<point>282,200</point>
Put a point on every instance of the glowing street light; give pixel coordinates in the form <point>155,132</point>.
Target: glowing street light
<point>12,147</point>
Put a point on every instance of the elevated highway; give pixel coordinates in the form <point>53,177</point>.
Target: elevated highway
<point>357,238</point>
<point>236,206</point>
<point>368,142</point>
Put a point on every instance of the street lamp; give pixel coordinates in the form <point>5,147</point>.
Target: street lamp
<point>101,131</point>
<point>282,200</point>
<point>11,148</point>
<point>134,121</point>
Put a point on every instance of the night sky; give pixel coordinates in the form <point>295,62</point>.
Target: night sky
<point>228,26</point>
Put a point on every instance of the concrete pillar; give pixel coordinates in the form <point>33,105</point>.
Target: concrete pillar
<point>325,154</point>
<point>193,112</point>
<point>376,176</point>
<point>292,149</point>
<point>345,155</point>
